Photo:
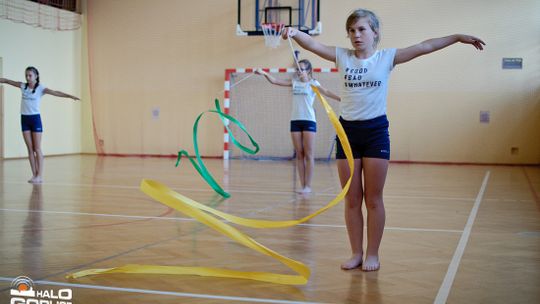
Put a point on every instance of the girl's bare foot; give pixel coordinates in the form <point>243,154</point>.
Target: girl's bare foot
<point>354,262</point>
<point>371,263</point>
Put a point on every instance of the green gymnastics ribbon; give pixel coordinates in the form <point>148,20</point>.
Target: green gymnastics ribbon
<point>199,165</point>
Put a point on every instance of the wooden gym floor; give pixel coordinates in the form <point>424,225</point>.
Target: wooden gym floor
<point>456,234</point>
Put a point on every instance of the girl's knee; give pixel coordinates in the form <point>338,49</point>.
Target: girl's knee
<point>308,155</point>
<point>354,200</point>
<point>374,203</point>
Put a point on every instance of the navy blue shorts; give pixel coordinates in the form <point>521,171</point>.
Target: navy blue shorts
<point>31,123</point>
<point>368,138</point>
<point>303,126</point>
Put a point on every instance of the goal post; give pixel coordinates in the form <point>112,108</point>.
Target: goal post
<point>265,110</point>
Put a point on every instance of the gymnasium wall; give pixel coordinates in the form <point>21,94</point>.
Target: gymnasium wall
<point>57,56</point>
<point>168,57</point>
<point>88,140</point>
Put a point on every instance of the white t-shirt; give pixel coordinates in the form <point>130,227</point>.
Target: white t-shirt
<point>30,102</point>
<point>365,83</point>
<point>302,103</point>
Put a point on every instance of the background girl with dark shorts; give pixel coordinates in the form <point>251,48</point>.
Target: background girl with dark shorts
<point>303,126</point>
<point>31,125</point>
<point>303,121</point>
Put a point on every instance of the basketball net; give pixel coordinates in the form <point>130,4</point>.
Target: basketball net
<point>272,33</point>
<point>272,37</point>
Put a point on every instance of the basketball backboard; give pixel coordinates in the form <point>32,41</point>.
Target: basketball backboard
<point>301,14</point>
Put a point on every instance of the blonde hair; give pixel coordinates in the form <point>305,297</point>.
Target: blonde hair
<point>373,21</point>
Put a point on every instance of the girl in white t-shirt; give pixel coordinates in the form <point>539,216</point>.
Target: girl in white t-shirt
<point>365,72</point>
<point>32,91</point>
<point>303,120</point>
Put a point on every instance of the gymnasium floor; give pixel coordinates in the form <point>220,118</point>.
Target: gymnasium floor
<point>458,234</point>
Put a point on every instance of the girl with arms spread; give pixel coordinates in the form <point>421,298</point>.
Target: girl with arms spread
<point>303,120</point>
<point>32,91</point>
<point>365,71</point>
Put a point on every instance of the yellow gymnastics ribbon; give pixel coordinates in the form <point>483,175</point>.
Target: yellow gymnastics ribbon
<point>195,210</point>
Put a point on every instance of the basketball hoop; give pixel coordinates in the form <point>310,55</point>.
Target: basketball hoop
<point>272,33</point>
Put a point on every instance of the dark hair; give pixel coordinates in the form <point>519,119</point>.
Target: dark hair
<point>308,66</point>
<point>35,71</point>
<point>373,21</point>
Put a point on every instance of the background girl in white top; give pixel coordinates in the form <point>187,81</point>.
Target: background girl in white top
<point>365,71</point>
<point>303,120</point>
<point>32,91</point>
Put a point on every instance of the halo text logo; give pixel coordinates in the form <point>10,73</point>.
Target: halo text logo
<point>23,292</point>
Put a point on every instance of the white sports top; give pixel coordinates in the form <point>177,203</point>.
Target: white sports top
<point>302,103</point>
<point>30,102</point>
<point>365,83</point>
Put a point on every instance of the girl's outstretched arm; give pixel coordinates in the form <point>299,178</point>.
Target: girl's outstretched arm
<point>59,94</point>
<point>435,44</point>
<point>11,82</point>
<point>273,80</point>
<point>329,93</point>
<point>310,44</point>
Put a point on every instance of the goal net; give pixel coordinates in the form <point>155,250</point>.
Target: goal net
<point>265,110</point>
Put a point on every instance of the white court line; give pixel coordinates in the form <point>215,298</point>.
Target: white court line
<point>232,190</point>
<point>165,293</point>
<point>324,192</point>
<point>271,207</point>
<point>98,214</point>
<point>72,185</point>
<point>193,220</point>
<point>388,228</point>
<point>444,290</point>
<point>137,187</point>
